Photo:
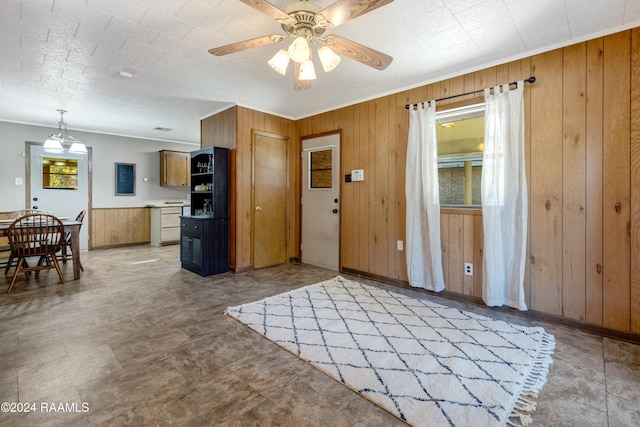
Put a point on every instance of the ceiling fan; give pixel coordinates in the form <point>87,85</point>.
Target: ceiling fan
<point>306,23</point>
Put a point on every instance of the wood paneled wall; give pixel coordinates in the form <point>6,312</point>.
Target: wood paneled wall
<point>219,130</point>
<point>583,168</point>
<point>120,226</point>
<point>461,237</point>
<point>245,122</point>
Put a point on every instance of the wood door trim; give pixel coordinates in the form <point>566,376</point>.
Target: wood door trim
<point>256,133</point>
<point>27,185</point>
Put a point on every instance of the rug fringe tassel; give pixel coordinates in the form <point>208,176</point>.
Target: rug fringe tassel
<point>526,403</point>
<point>522,419</point>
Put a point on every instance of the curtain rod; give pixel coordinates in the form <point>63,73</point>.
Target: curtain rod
<point>529,80</point>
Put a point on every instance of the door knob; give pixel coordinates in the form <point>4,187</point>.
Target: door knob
<point>258,208</point>
<point>335,211</point>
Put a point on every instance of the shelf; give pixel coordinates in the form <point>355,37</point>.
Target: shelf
<point>204,238</point>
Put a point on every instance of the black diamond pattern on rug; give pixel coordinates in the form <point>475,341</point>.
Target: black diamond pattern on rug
<point>426,363</point>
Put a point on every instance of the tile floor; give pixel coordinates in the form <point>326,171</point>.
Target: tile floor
<point>139,341</point>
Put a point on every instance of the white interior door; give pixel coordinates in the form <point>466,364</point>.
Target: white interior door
<point>321,201</point>
<point>61,202</point>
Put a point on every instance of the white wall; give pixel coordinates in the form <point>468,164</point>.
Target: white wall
<point>107,150</point>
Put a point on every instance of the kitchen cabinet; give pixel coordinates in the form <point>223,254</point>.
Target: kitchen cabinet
<point>175,168</point>
<point>165,225</point>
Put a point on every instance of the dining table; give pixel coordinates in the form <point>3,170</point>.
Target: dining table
<point>70,226</point>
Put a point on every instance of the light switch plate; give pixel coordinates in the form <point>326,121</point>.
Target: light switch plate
<point>19,180</point>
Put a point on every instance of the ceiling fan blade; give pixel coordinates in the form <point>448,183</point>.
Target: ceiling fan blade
<point>268,9</point>
<point>346,10</point>
<point>360,53</point>
<point>247,44</point>
<point>297,83</point>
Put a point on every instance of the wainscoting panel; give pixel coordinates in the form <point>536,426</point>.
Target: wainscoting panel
<point>120,226</point>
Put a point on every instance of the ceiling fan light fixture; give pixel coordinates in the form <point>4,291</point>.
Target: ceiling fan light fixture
<point>299,50</point>
<point>280,61</point>
<point>307,71</point>
<point>328,58</point>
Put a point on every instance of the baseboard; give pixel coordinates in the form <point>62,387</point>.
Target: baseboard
<point>529,314</point>
<point>119,245</point>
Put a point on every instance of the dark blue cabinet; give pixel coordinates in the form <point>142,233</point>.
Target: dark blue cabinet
<point>204,235</point>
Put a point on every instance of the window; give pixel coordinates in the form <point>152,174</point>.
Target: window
<point>320,168</point>
<point>60,174</point>
<point>460,136</point>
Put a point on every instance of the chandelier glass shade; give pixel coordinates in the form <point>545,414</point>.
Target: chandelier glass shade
<point>78,147</point>
<point>54,143</point>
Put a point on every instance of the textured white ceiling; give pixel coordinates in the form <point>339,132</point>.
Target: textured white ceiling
<point>69,53</point>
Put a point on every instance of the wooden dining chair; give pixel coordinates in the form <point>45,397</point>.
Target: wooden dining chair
<point>11,260</point>
<point>5,249</point>
<point>65,253</point>
<point>35,235</point>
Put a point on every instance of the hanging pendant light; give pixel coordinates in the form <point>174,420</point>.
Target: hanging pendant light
<point>78,148</point>
<point>53,143</point>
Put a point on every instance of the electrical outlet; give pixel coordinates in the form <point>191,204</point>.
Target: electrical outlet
<point>468,269</point>
<point>400,245</point>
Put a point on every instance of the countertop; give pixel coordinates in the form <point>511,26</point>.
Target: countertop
<point>167,205</point>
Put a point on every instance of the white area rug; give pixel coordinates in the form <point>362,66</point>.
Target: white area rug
<point>428,364</point>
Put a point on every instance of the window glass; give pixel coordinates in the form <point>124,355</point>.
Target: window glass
<point>460,137</point>
<point>60,174</point>
<point>320,168</point>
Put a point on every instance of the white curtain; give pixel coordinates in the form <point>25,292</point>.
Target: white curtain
<point>423,249</point>
<point>504,198</point>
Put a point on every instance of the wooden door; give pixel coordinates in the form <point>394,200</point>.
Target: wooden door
<point>270,199</point>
